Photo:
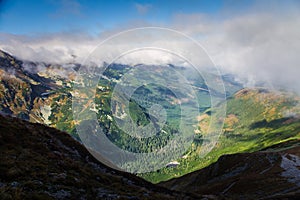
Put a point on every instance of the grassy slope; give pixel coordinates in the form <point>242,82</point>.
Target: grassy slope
<point>255,120</point>
<point>268,174</point>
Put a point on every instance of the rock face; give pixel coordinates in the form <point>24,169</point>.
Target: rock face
<point>270,174</point>
<point>33,91</point>
<point>38,162</point>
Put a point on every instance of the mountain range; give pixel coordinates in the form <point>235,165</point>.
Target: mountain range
<point>256,156</point>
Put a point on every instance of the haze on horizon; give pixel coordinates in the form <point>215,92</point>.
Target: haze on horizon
<point>255,40</point>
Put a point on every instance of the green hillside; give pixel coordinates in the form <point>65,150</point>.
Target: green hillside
<point>256,119</point>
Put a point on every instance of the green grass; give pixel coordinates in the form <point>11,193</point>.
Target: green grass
<point>255,120</point>
<point>256,129</point>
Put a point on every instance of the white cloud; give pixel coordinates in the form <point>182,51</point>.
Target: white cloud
<point>264,47</point>
<point>257,46</point>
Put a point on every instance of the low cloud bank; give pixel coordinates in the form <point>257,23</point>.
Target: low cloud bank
<point>257,46</point>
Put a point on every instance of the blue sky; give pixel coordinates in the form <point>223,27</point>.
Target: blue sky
<point>48,16</point>
<point>242,36</point>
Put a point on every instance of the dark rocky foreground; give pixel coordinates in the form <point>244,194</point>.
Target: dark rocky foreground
<point>270,174</point>
<point>38,162</point>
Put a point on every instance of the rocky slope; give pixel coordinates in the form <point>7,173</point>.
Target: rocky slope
<point>273,173</point>
<point>29,89</point>
<point>37,162</point>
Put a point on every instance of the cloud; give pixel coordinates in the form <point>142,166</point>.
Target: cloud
<point>258,46</point>
<point>54,48</point>
<point>142,8</point>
